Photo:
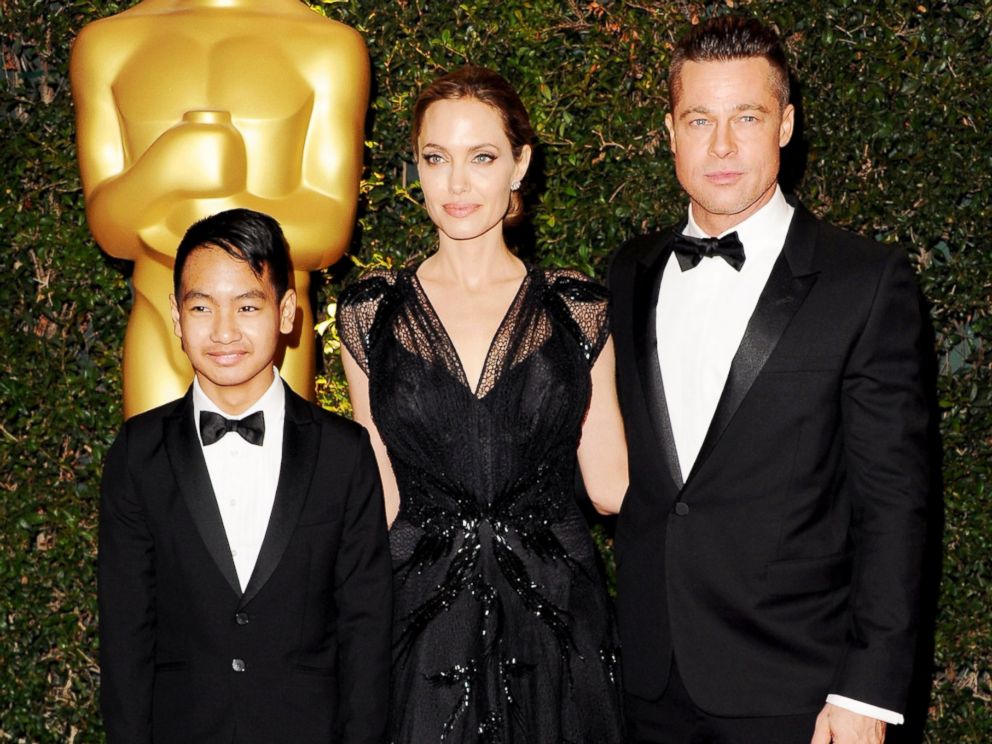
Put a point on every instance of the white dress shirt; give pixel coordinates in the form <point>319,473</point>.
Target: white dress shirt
<point>244,476</point>
<point>700,319</point>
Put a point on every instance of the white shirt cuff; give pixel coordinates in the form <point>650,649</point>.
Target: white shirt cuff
<point>865,709</point>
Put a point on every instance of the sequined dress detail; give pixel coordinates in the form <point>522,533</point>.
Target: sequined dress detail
<point>502,628</point>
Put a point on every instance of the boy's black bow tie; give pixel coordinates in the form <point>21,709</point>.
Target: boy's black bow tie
<point>213,426</point>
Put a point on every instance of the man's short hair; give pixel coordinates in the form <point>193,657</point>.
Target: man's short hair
<point>726,38</point>
<point>244,234</point>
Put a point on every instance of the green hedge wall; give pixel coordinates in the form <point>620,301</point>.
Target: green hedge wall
<point>895,144</point>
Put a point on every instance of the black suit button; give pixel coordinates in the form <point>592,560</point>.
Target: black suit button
<point>238,665</point>
<point>241,618</point>
<point>681,508</point>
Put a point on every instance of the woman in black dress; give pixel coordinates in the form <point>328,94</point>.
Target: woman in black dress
<point>484,383</point>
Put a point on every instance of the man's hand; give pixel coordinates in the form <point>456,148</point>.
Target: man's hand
<point>838,725</point>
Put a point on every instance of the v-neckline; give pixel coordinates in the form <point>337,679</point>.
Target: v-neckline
<point>487,359</point>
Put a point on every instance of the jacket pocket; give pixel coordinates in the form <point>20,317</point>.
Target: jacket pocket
<point>808,575</point>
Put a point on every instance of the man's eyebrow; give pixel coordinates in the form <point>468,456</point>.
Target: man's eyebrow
<point>739,107</point>
<point>752,107</point>
<point>694,110</point>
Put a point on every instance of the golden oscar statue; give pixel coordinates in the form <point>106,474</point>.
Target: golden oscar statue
<point>188,107</point>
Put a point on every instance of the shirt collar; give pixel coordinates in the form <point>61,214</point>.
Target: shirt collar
<point>271,403</point>
<point>766,227</point>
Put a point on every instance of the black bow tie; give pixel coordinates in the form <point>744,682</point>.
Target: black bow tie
<point>690,251</point>
<point>213,426</point>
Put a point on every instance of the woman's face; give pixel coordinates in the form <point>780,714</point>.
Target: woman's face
<point>466,167</point>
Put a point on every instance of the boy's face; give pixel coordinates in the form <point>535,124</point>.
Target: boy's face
<point>230,321</point>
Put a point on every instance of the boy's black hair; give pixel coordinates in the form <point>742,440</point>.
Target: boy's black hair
<point>246,235</point>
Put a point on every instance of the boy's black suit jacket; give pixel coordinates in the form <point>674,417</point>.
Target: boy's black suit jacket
<point>787,566</point>
<point>303,654</point>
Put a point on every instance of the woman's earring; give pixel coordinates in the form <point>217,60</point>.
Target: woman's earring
<point>515,186</point>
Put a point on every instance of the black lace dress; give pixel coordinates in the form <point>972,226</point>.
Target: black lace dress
<point>502,628</point>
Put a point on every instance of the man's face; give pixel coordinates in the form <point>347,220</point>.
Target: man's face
<point>725,132</point>
<point>230,321</point>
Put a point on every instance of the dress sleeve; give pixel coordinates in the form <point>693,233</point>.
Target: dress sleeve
<point>583,305</point>
<point>358,308</point>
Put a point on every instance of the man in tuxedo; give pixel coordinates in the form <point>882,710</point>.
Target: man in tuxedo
<point>244,572</point>
<point>768,549</point>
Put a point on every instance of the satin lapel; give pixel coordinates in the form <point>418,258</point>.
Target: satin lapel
<point>790,281</point>
<point>647,282</point>
<point>186,457</point>
<point>300,445</point>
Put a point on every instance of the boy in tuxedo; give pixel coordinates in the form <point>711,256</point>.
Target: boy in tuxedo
<point>244,573</point>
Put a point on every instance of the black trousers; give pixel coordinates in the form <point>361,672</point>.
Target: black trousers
<point>675,719</point>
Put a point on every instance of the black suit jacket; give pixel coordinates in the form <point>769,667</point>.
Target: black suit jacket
<point>312,628</point>
<point>787,566</point>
